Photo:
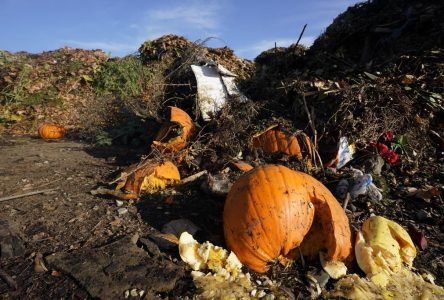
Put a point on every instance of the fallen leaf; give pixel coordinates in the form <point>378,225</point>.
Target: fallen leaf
<point>418,237</point>
<point>242,166</point>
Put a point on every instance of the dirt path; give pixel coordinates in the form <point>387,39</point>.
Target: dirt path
<point>66,220</point>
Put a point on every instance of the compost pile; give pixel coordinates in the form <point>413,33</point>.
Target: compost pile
<point>361,111</point>
<point>36,86</point>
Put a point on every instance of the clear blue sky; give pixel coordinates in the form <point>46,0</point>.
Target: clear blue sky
<point>119,27</point>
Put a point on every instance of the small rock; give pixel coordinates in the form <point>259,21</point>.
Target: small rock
<point>119,203</point>
<point>261,294</point>
<point>134,293</point>
<point>122,211</point>
<point>126,294</point>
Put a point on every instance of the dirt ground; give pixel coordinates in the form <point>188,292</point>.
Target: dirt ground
<point>64,220</point>
<point>69,227</point>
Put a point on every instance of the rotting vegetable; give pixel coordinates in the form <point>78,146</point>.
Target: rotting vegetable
<point>271,210</point>
<point>272,140</point>
<point>49,131</point>
<point>382,247</point>
<point>151,177</point>
<point>173,136</point>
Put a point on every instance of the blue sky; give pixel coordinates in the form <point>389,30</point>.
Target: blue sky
<point>119,27</point>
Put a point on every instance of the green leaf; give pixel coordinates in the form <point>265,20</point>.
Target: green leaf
<point>87,78</point>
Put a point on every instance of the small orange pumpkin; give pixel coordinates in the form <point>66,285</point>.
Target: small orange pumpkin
<point>269,211</point>
<point>173,136</point>
<point>51,131</point>
<point>272,140</point>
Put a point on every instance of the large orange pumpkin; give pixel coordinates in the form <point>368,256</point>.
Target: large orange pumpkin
<point>173,136</point>
<point>269,211</point>
<point>51,131</point>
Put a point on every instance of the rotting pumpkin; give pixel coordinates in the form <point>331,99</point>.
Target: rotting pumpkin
<point>50,131</point>
<point>151,177</point>
<point>272,140</point>
<point>271,209</point>
<point>173,136</point>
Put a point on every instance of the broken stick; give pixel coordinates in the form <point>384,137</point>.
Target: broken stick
<point>26,194</point>
<point>193,177</point>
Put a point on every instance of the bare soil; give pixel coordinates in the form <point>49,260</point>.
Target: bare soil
<point>68,221</point>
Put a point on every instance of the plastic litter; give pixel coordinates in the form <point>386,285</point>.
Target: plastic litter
<point>215,84</point>
<point>359,184</point>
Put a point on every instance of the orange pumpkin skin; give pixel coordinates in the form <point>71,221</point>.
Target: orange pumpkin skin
<point>166,171</point>
<point>270,210</point>
<point>330,231</point>
<point>51,131</point>
<point>272,140</point>
<point>267,213</point>
<point>163,140</point>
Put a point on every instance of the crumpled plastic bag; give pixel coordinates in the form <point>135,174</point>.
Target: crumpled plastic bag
<point>359,184</point>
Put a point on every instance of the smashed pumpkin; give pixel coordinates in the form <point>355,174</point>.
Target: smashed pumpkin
<point>151,177</point>
<point>272,140</point>
<point>173,136</point>
<point>269,211</point>
<point>383,247</point>
<point>49,131</point>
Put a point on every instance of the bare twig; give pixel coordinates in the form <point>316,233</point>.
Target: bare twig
<point>166,236</point>
<point>347,199</point>
<point>302,33</point>
<point>193,177</point>
<point>141,164</point>
<point>26,194</point>
<point>174,84</point>
<point>8,279</point>
<point>315,133</point>
<point>302,257</point>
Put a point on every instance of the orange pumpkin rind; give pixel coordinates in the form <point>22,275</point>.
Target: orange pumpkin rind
<point>272,140</point>
<point>242,165</point>
<point>266,215</point>
<point>271,210</point>
<point>148,179</point>
<point>173,136</point>
<point>330,231</point>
